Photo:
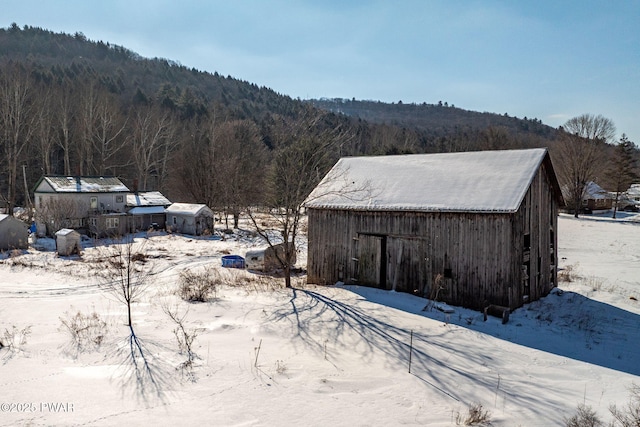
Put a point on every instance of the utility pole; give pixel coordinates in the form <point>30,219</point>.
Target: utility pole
<point>26,192</point>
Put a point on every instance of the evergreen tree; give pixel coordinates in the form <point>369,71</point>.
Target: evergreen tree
<point>623,171</point>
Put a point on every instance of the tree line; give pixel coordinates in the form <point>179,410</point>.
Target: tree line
<point>70,106</point>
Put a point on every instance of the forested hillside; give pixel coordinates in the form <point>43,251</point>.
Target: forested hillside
<point>436,120</point>
<point>73,106</point>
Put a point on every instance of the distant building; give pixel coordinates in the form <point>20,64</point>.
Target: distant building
<point>14,234</point>
<point>68,242</point>
<point>93,205</point>
<point>146,210</point>
<point>633,193</point>
<point>474,229</point>
<point>189,218</point>
<point>597,198</point>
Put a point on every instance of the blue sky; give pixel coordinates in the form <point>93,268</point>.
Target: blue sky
<point>548,59</point>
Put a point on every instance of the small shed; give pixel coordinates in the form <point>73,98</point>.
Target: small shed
<point>189,218</point>
<point>265,259</point>
<point>68,242</point>
<point>14,234</point>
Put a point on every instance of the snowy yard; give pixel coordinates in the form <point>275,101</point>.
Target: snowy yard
<point>316,356</point>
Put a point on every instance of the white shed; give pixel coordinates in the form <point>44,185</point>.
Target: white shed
<point>68,242</point>
<point>265,259</point>
<point>189,218</point>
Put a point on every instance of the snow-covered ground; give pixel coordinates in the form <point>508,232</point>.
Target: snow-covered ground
<point>317,356</point>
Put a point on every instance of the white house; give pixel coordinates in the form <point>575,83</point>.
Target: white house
<point>93,204</point>
<point>189,218</point>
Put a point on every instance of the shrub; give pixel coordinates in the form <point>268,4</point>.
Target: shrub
<point>87,331</point>
<point>15,338</point>
<point>185,338</point>
<point>628,416</point>
<point>199,286</point>
<point>567,274</point>
<point>585,417</point>
<point>476,416</point>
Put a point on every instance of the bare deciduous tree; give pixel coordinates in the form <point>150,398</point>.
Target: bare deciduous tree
<point>126,274</point>
<point>57,214</point>
<point>44,128</point>
<point>580,146</point>
<point>303,155</point>
<point>591,127</point>
<point>240,171</point>
<point>153,142</point>
<point>65,118</point>
<point>15,125</point>
<point>108,136</point>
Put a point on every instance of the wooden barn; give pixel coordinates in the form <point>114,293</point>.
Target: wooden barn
<point>474,229</point>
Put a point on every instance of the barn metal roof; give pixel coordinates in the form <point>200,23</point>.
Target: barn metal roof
<point>481,181</point>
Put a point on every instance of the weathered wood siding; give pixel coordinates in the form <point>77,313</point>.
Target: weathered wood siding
<point>482,257</point>
<point>537,223</point>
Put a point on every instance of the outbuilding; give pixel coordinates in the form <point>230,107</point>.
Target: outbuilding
<point>472,229</point>
<point>189,218</point>
<point>266,259</point>
<point>14,234</point>
<point>146,210</point>
<point>68,242</point>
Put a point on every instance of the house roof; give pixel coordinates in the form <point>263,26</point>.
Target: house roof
<point>481,181</point>
<point>149,198</point>
<point>594,191</point>
<point>634,190</point>
<point>146,210</point>
<point>187,209</point>
<point>8,219</point>
<point>81,184</point>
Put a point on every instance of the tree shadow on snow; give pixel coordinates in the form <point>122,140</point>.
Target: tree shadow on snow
<point>317,320</point>
<point>141,371</point>
<point>564,323</point>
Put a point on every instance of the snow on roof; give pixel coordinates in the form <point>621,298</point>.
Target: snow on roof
<point>65,232</point>
<point>482,181</point>
<point>86,184</point>
<point>594,191</point>
<point>149,198</point>
<point>634,190</point>
<point>186,208</point>
<point>142,210</point>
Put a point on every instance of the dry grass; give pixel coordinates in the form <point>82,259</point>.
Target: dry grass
<point>476,416</point>
<point>568,273</point>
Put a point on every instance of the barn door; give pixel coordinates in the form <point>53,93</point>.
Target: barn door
<point>408,269</point>
<point>372,263</point>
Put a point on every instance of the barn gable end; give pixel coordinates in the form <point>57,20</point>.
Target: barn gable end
<point>433,233</point>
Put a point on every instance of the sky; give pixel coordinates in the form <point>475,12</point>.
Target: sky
<point>546,59</point>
